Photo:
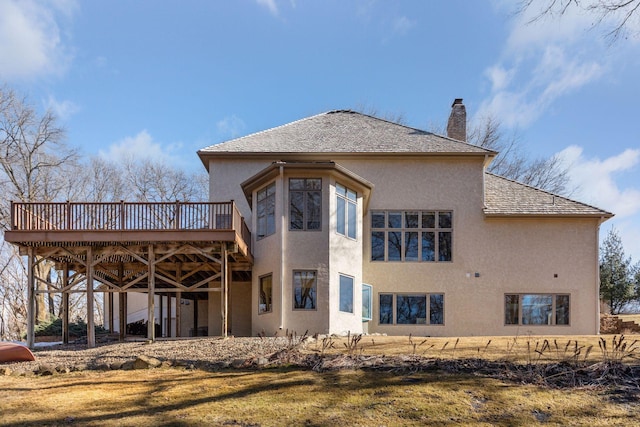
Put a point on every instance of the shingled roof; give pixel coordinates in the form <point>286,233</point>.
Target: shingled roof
<point>505,197</point>
<point>344,131</point>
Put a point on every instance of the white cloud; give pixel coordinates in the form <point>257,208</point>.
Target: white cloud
<point>269,4</point>
<point>62,109</point>
<point>230,127</point>
<point>31,40</point>
<point>596,180</point>
<point>541,62</point>
<point>141,146</point>
<point>599,183</point>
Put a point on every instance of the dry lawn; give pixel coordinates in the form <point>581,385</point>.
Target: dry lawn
<point>281,396</point>
<point>173,397</point>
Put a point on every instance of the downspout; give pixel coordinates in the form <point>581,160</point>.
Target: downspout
<point>282,228</point>
<point>597,325</point>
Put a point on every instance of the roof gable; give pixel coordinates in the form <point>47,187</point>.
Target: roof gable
<point>505,197</point>
<point>343,131</point>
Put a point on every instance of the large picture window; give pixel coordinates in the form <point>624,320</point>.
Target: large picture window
<point>266,294</point>
<point>411,309</point>
<point>536,309</point>
<point>346,211</point>
<point>412,236</point>
<point>266,211</point>
<point>305,203</point>
<point>346,294</point>
<point>304,290</point>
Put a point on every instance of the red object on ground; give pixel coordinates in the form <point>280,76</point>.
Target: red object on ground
<point>10,352</point>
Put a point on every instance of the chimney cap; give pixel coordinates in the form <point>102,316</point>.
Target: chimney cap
<point>457,101</point>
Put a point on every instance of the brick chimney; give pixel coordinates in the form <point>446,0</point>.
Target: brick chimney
<point>457,125</point>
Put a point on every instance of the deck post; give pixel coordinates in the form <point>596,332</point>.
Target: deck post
<point>169,332</point>
<point>178,314</point>
<point>161,314</point>
<point>122,304</point>
<point>151,325</point>
<point>91,330</point>
<point>111,316</point>
<point>225,291</point>
<point>65,304</point>
<point>31,299</point>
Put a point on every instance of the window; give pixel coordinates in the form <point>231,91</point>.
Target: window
<point>536,309</point>
<point>304,290</point>
<point>412,236</point>
<point>346,212</point>
<point>266,294</point>
<point>346,294</point>
<point>305,203</point>
<point>266,211</point>
<point>412,309</point>
<point>367,300</point>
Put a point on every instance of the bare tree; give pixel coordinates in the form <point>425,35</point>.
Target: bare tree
<point>622,14</point>
<point>513,162</point>
<point>33,158</point>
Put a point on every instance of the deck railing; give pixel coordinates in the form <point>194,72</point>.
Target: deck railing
<point>128,216</point>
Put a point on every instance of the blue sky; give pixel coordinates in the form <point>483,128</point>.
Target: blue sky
<point>166,78</point>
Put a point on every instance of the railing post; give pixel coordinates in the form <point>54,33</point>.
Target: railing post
<point>122,218</point>
<point>232,214</point>
<point>68,213</point>
<point>177,227</point>
<point>14,226</point>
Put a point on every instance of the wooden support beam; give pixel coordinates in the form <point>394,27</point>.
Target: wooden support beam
<point>225,292</point>
<point>122,307</point>
<point>178,314</point>
<point>109,296</point>
<point>65,304</point>
<point>91,330</point>
<point>169,306</point>
<point>151,330</point>
<point>31,299</point>
<point>161,311</point>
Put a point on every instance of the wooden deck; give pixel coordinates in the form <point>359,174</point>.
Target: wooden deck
<point>177,248</point>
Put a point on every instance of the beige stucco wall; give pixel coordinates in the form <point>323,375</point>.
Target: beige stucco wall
<point>511,255</point>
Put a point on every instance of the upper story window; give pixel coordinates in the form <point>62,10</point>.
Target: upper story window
<point>346,211</point>
<point>411,236</point>
<point>305,203</point>
<point>266,211</point>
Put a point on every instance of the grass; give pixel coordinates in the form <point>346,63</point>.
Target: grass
<point>288,396</point>
<point>173,397</point>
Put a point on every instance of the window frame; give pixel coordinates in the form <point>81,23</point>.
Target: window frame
<point>314,287</point>
<point>305,198</point>
<point>553,310</point>
<point>403,240</point>
<point>353,287</point>
<point>344,219</point>
<point>259,201</point>
<point>394,308</point>
<point>270,305</point>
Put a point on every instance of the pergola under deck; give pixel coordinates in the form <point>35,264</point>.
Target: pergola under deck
<point>178,249</point>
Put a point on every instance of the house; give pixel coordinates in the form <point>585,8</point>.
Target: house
<point>340,222</point>
<point>364,225</point>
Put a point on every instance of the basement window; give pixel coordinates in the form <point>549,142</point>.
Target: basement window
<point>536,309</point>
